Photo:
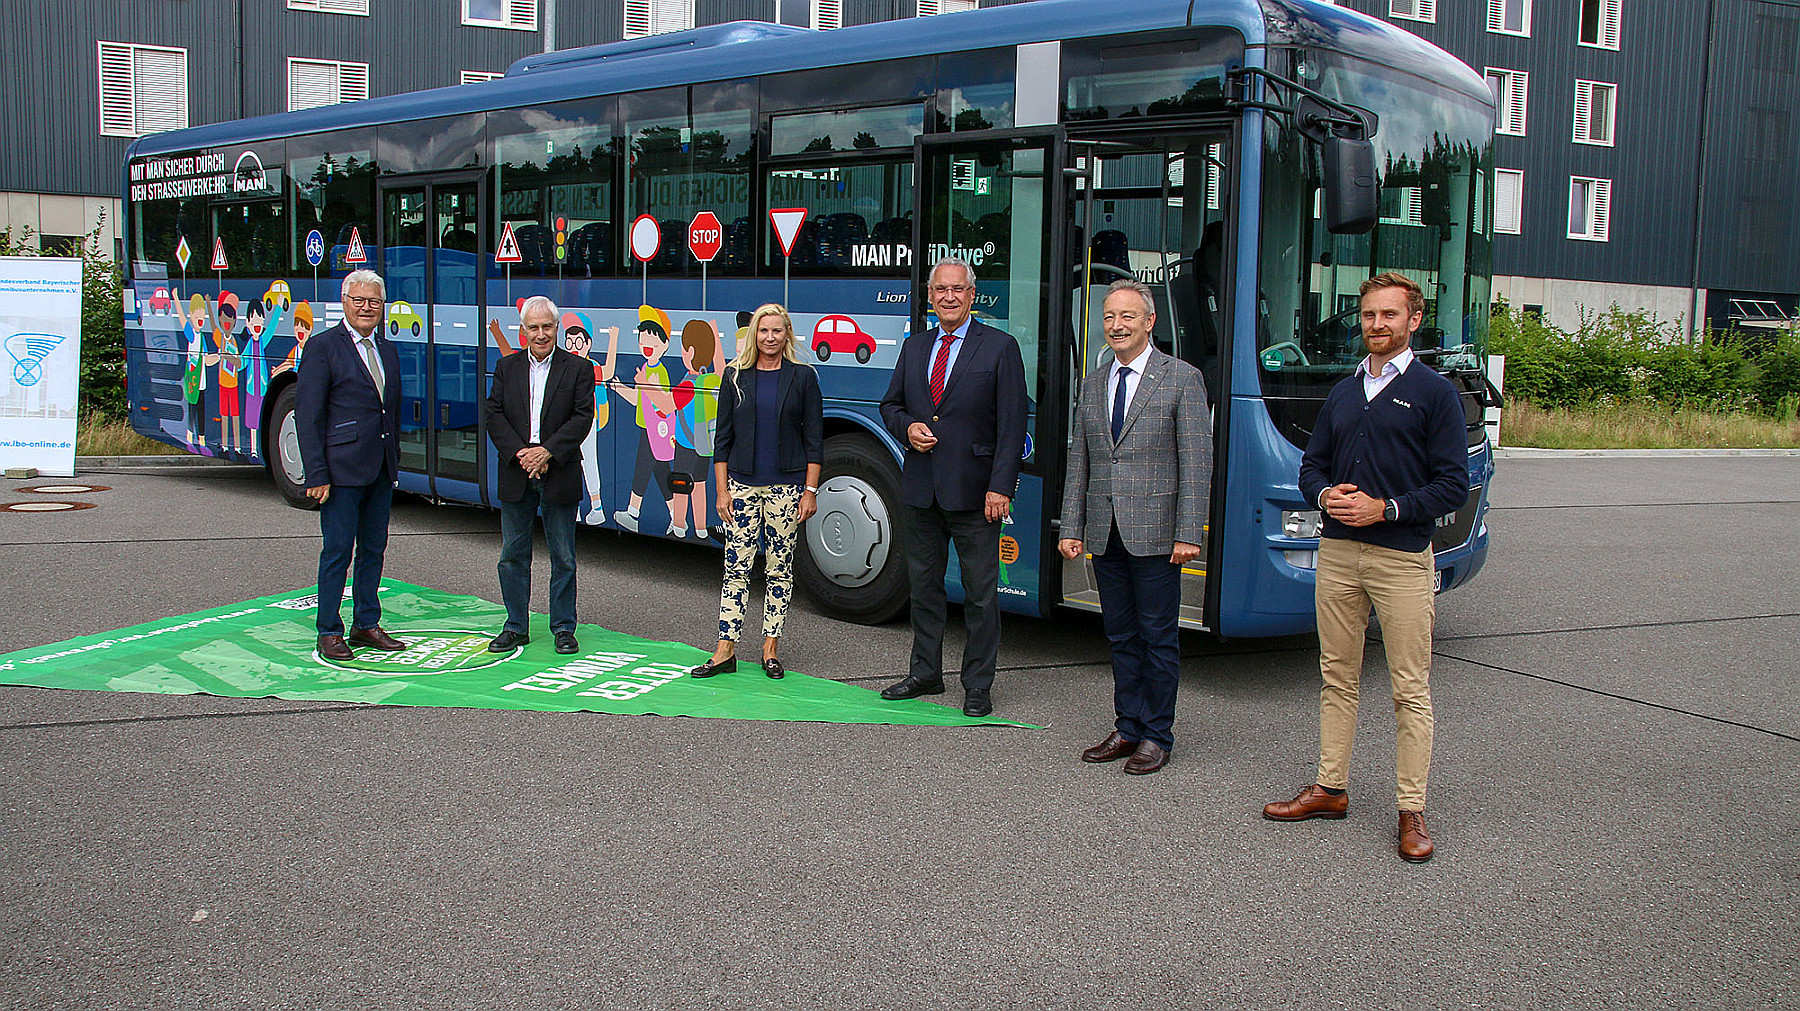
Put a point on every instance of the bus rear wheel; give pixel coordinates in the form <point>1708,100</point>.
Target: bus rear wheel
<point>282,451</point>
<point>851,557</point>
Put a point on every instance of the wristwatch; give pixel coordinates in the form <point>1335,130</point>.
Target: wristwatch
<point>1391,511</point>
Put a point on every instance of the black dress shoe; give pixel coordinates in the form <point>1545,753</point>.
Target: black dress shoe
<point>774,669</point>
<point>977,703</point>
<point>711,667</point>
<point>508,641</point>
<point>1112,749</point>
<point>375,638</point>
<point>908,688</point>
<point>565,643</point>
<point>1148,758</point>
<point>333,647</point>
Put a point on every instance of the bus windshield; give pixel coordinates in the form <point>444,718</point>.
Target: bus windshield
<point>1432,155</point>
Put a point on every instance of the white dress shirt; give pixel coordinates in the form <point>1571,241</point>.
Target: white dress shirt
<point>1374,384</point>
<point>540,376</point>
<point>1132,379</point>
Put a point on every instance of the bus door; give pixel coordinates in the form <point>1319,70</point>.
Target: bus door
<point>994,199</point>
<point>1152,207</point>
<point>431,259</point>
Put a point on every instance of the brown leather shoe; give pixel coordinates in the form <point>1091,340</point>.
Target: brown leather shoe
<point>1148,758</point>
<point>333,647</point>
<point>1110,750</point>
<point>375,638</point>
<point>1313,802</point>
<point>1415,842</point>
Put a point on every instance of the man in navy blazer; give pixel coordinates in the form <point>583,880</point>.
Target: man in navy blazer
<point>539,412</point>
<point>957,403</point>
<point>348,419</point>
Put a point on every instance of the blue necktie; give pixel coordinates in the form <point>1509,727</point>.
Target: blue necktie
<point>1119,404</point>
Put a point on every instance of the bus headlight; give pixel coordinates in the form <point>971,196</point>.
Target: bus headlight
<point>1300,525</point>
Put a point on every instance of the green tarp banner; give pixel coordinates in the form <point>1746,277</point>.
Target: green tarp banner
<point>264,648</point>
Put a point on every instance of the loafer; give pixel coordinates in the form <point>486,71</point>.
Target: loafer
<point>1415,841</point>
<point>507,641</point>
<point>711,667</point>
<point>565,643</point>
<point>910,688</point>
<point>1149,757</point>
<point>375,638</point>
<point>1313,802</point>
<point>977,703</point>
<point>1112,749</point>
<point>772,667</point>
<point>333,647</point>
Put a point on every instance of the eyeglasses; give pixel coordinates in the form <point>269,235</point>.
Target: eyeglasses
<point>364,303</point>
<point>950,289</point>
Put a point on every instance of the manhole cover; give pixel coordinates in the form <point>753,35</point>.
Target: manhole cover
<point>66,489</point>
<point>45,507</point>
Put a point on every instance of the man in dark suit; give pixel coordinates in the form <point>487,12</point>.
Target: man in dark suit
<point>539,411</point>
<point>957,403</point>
<point>1140,469</point>
<point>348,420</point>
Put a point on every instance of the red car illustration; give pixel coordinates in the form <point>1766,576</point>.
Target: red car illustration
<point>836,333</point>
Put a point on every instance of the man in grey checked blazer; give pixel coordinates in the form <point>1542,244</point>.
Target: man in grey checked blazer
<point>1137,493</point>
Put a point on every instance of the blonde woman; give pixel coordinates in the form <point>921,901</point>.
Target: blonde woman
<point>768,449</point>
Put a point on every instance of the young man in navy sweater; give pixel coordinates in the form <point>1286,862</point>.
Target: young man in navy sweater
<point>1387,458</point>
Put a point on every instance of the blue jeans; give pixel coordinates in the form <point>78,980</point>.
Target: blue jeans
<point>1140,608</point>
<point>515,559</point>
<point>353,517</point>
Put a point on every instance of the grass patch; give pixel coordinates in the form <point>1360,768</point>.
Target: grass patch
<point>98,435</point>
<point>1640,426</point>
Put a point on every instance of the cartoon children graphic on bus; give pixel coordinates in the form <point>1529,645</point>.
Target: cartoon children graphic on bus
<point>227,358</point>
<point>193,381</point>
<point>655,404</point>
<point>303,327</point>
<point>261,316</point>
<point>697,410</point>
<point>578,338</point>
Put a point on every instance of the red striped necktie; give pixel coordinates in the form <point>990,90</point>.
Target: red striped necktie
<point>938,367</point>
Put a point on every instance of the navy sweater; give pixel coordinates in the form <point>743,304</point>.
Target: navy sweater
<point>1409,444</point>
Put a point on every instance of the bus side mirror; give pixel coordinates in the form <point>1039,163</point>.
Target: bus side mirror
<point>1351,201</point>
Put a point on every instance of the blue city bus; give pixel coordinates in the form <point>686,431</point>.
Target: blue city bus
<point>1252,160</point>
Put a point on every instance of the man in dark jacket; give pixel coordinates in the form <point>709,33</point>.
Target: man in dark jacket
<point>539,411</point>
<point>1386,459</point>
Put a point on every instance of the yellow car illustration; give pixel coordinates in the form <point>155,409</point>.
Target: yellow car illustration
<point>277,295</point>
<point>400,316</point>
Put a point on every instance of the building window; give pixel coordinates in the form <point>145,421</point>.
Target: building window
<point>1509,17</point>
<point>929,7</point>
<point>143,89</point>
<point>1414,10</point>
<point>1590,208</point>
<point>517,14</point>
<point>331,6</point>
<point>654,17</point>
<point>1509,88</point>
<point>1600,23</point>
<point>477,76</point>
<point>1509,201</point>
<point>1402,205</point>
<point>827,14</point>
<point>1595,109</point>
<point>325,82</point>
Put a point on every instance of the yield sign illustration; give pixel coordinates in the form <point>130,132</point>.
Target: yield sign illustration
<point>787,221</point>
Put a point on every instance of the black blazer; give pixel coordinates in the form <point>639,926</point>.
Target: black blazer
<point>980,426</point>
<point>801,438</point>
<point>568,417</point>
<point>347,429</point>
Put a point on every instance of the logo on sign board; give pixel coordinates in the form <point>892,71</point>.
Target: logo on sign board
<point>249,176</point>
<point>28,351</point>
<point>432,651</point>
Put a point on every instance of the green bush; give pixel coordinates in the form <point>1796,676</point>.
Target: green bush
<point>102,320</point>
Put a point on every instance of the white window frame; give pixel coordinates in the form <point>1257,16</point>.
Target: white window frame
<point>827,15</point>
<point>477,76</point>
<point>349,81</point>
<point>518,15</point>
<point>1414,10</point>
<point>1584,113</point>
<point>1598,226</point>
<point>1611,24</point>
<point>656,17</point>
<point>1412,208</point>
<point>1509,223</point>
<point>1496,20</point>
<point>142,89</point>
<point>357,7</point>
<point>1511,92</point>
<point>931,8</point>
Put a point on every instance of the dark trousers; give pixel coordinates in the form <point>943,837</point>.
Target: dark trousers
<point>1140,608</point>
<point>929,533</point>
<point>515,559</point>
<point>353,519</point>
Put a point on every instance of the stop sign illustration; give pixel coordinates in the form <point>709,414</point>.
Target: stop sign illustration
<point>705,237</point>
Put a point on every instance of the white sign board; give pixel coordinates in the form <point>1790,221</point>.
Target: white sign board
<point>40,373</point>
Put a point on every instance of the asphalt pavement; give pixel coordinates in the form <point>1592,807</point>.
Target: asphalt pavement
<point>1618,724</point>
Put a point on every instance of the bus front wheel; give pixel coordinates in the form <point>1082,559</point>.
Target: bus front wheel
<point>282,451</point>
<point>851,558</point>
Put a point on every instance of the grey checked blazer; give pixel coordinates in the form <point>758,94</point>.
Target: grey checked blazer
<point>1156,482</point>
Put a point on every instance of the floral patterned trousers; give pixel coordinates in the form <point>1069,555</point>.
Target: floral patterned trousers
<point>773,511</point>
